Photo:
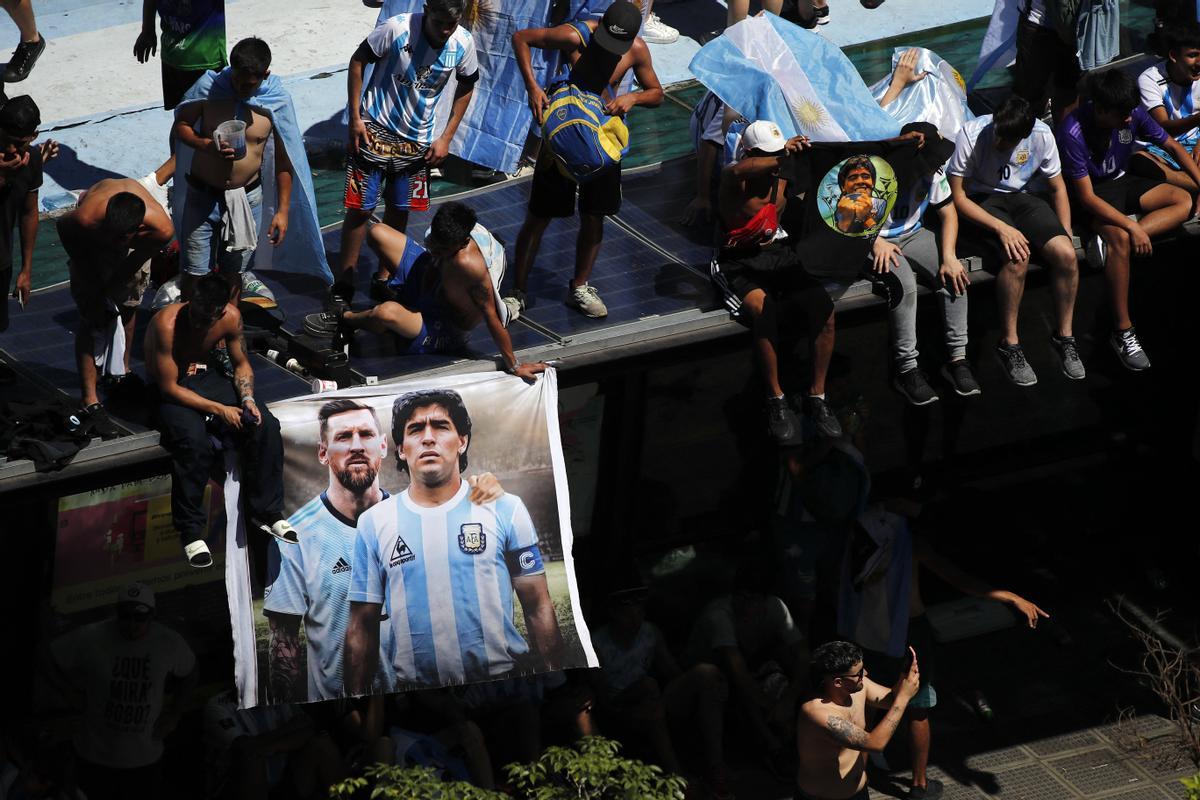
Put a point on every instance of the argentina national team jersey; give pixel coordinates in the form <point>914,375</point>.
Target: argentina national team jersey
<point>909,212</point>
<point>446,574</point>
<point>1179,101</point>
<point>411,77</point>
<point>984,169</point>
<point>311,579</point>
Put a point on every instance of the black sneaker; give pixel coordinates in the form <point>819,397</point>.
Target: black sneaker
<point>782,424</point>
<point>23,59</point>
<point>341,291</point>
<point>932,789</point>
<point>99,423</point>
<point>916,390</point>
<point>958,374</point>
<point>380,292</point>
<point>823,417</point>
<point>326,323</point>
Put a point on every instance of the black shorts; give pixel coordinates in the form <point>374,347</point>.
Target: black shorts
<point>773,268</point>
<point>885,670</point>
<point>1028,213</point>
<point>553,193</point>
<point>1125,193</point>
<point>176,83</point>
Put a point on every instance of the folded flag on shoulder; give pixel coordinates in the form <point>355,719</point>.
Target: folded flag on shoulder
<point>755,68</point>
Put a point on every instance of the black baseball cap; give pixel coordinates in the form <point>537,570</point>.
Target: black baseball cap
<point>618,27</point>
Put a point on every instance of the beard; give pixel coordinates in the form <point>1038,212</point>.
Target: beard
<point>357,481</point>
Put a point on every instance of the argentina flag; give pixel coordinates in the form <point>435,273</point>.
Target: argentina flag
<point>755,68</point>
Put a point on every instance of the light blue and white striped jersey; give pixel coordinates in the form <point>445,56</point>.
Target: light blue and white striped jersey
<point>311,580</point>
<point>411,76</point>
<point>909,212</point>
<point>983,168</point>
<point>446,574</point>
<point>1157,89</point>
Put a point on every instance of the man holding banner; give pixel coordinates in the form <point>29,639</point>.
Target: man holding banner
<point>444,565</point>
<point>309,583</point>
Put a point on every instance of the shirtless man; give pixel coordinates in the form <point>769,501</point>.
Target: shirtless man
<point>109,237</point>
<point>762,279</point>
<point>194,395</point>
<point>599,54</point>
<point>832,737</point>
<point>443,290</point>
<point>225,185</point>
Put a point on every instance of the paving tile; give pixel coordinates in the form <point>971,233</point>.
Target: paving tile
<point>1097,771</point>
<point>999,759</point>
<point>1076,740</point>
<point>1032,781</point>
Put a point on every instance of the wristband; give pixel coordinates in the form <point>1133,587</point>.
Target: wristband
<point>513,369</point>
<point>248,399</point>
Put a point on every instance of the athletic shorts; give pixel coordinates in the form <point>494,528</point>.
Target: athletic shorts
<point>552,193</point>
<point>773,268</point>
<point>176,82</point>
<point>391,168</point>
<point>1125,193</point>
<point>1028,213</point>
<point>92,302</point>
<point>885,670</point>
<point>438,333</point>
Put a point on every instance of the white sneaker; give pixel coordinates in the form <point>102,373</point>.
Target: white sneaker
<point>587,300</point>
<point>655,31</point>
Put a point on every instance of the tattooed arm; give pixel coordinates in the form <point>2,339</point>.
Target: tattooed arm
<point>284,659</point>
<point>243,373</point>
<point>849,735</point>
<point>484,300</point>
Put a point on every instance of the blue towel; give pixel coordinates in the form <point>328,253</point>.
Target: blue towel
<point>302,249</point>
<point>825,97</point>
<point>493,131</point>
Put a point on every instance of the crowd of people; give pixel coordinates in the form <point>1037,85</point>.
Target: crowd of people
<point>1116,166</point>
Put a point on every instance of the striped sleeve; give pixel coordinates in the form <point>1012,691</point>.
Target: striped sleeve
<point>385,35</point>
<point>284,592</point>
<point>366,579</point>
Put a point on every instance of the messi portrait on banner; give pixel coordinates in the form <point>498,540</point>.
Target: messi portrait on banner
<point>435,543</point>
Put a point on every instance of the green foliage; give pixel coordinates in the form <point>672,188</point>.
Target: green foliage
<point>390,782</point>
<point>592,770</point>
<point>1192,786</point>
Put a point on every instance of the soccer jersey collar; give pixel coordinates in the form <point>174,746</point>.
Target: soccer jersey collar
<point>339,516</point>
<point>438,509</point>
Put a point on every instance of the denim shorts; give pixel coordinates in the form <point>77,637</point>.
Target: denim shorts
<point>201,232</point>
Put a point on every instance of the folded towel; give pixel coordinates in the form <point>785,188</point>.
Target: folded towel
<point>237,220</point>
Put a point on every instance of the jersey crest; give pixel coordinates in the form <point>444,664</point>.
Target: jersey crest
<point>471,538</point>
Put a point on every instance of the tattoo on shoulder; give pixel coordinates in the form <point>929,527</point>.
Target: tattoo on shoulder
<point>846,732</point>
<point>481,296</point>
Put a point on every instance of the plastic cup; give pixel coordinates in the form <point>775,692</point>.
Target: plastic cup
<point>232,133</point>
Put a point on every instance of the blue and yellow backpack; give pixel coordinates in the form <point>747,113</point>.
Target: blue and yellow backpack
<point>584,140</point>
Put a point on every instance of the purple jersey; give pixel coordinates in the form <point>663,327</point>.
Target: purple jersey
<point>1086,149</point>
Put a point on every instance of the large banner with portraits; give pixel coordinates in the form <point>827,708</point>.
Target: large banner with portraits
<point>435,544</point>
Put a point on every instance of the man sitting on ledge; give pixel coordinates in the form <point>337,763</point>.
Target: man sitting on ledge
<point>200,392</point>
<point>443,290</point>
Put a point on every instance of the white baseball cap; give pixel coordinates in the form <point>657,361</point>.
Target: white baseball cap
<point>138,595</point>
<point>763,136</point>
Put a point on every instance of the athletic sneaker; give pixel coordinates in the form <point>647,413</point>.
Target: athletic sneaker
<point>515,307</point>
<point>1129,350</point>
<point>1068,356</point>
<point>915,388</point>
<point>586,299</point>
<point>932,789</point>
<point>197,554</point>
<point>1096,252</point>
<point>782,424</point>
<point>100,424</point>
<point>823,417</point>
<point>23,59</point>
<point>958,374</point>
<point>326,323</point>
<point>655,31</point>
<point>822,15</point>
<point>1012,357</point>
